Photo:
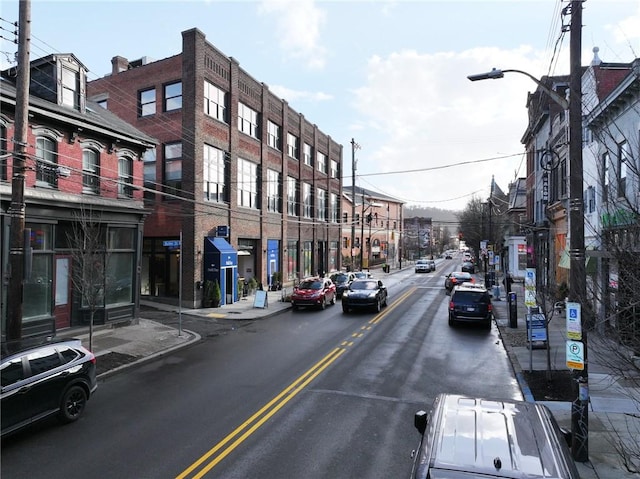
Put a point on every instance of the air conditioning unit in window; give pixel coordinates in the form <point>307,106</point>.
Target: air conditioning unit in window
<point>63,172</point>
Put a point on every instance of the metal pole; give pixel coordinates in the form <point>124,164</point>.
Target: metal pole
<point>18,208</point>
<point>362,242</point>
<point>354,146</point>
<point>577,286</point>
<point>180,289</point>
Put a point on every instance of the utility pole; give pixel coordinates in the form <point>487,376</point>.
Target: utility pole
<point>577,286</point>
<point>18,209</point>
<point>354,147</point>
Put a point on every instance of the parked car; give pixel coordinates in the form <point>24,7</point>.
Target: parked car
<point>468,267</point>
<point>39,381</point>
<point>342,281</point>
<point>464,436</point>
<point>470,303</point>
<point>364,294</point>
<point>315,292</point>
<point>422,266</point>
<point>456,277</point>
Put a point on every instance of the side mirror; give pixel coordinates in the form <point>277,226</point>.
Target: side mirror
<point>420,421</point>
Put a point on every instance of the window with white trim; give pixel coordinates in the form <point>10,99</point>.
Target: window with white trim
<point>274,134</point>
<point>90,171</point>
<point>247,184</point>
<point>293,146</point>
<point>606,191</point>
<point>624,157</point>
<point>214,174</point>
<point>46,162</point>
<point>71,88</point>
<point>321,205</point>
<point>307,155</point>
<point>292,196</point>
<point>307,201</point>
<point>273,191</point>
<point>247,120</point>
<point>4,159</point>
<point>321,159</point>
<point>334,171</point>
<point>125,176</point>
<point>149,173</point>
<point>334,208</point>
<point>215,102</point>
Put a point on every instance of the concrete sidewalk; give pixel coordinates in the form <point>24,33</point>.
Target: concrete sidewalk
<point>614,413</point>
<point>612,402</point>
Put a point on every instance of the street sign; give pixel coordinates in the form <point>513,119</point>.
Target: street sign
<point>171,243</point>
<point>574,321</point>
<point>575,355</point>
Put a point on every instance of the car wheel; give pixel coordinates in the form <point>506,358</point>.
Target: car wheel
<point>73,403</point>
<point>345,309</point>
<point>451,321</point>
<point>323,303</point>
<point>378,305</point>
<point>294,307</point>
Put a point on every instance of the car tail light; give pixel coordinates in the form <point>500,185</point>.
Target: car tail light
<point>490,308</point>
<point>451,306</point>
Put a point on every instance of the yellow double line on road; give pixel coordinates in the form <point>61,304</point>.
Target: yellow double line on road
<point>199,468</point>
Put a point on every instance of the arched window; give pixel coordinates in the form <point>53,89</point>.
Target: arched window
<point>46,162</point>
<point>125,177</point>
<point>90,171</point>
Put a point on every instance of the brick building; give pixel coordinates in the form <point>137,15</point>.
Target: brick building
<point>82,167</point>
<point>250,187</point>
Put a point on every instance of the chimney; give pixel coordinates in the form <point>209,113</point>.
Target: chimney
<point>119,64</point>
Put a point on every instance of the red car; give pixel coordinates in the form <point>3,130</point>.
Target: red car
<point>315,292</point>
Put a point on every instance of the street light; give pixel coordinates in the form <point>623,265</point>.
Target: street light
<point>577,286</point>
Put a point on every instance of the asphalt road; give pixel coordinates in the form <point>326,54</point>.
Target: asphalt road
<point>312,394</point>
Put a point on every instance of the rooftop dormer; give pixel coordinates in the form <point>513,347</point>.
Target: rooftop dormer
<point>60,79</point>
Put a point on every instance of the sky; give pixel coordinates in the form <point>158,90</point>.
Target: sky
<point>389,75</point>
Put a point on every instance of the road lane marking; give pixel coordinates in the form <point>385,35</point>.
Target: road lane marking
<point>260,417</point>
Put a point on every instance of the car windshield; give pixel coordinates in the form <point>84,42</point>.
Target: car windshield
<point>461,275</point>
<point>364,285</point>
<point>421,261</point>
<point>311,285</point>
<point>361,275</point>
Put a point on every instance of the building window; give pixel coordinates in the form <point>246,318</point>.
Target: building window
<point>273,191</point>
<point>321,206</point>
<point>173,96</point>
<point>37,287</point>
<point>90,172</point>
<point>247,184</point>
<point>335,170</point>
<point>247,120</point>
<point>563,179</point>
<point>173,168</point>
<point>345,217</point>
<point>590,200</point>
<point>605,177</point>
<point>214,174</point>
<point>334,208</point>
<point>125,177</point>
<point>215,102</point>
<point>293,146</point>
<point>46,163</point>
<point>149,160</point>
<point>4,158</point>
<point>274,133</point>
<point>147,102</point>
<point>624,157</point>
<point>120,267</point>
<point>102,104</point>
<point>70,88</point>
<point>307,155</point>
<point>321,158</point>
<point>292,196</point>
<point>307,201</point>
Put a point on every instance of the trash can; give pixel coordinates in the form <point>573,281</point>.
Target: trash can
<point>513,309</point>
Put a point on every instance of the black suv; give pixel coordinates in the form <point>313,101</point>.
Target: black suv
<point>56,377</point>
<point>470,303</point>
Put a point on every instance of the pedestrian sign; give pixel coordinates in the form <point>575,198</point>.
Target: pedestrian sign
<point>574,321</point>
<point>575,355</point>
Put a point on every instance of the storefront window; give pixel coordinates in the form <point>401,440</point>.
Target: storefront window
<point>307,257</point>
<point>37,288</point>
<point>120,238</point>
<point>119,278</point>
<point>291,254</point>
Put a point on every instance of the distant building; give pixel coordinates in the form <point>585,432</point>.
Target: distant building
<point>83,164</point>
<point>248,185</point>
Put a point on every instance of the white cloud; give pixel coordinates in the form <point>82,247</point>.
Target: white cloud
<point>295,95</point>
<point>298,25</point>
<point>425,114</point>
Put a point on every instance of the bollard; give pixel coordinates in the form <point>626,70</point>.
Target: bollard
<point>513,310</point>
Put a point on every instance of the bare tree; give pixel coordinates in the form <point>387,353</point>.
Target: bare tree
<point>87,242</point>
